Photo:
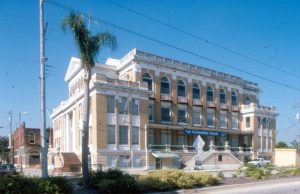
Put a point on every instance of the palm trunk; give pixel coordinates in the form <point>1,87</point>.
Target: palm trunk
<point>85,132</point>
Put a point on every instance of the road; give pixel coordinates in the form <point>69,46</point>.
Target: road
<point>278,186</point>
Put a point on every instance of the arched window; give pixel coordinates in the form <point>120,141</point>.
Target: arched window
<point>181,88</point>
<point>164,86</point>
<point>248,100</point>
<point>210,94</point>
<point>196,91</point>
<point>222,96</point>
<point>147,78</point>
<point>234,100</point>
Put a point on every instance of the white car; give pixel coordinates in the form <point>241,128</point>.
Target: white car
<point>259,162</point>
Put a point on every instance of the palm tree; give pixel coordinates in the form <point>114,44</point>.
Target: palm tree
<point>89,47</point>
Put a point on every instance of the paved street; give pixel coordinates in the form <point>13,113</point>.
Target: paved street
<point>279,186</point>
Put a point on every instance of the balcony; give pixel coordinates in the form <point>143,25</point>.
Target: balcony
<point>166,97</point>
<point>211,104</point>
<point>223,106</point>
<point>182,99</point>
<point>197,102</point>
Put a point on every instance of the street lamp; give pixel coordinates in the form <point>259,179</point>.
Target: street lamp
<point>20,125</point>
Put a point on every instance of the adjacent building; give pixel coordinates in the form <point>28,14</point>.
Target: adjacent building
<point>27,146</point>
<point>147,110</point>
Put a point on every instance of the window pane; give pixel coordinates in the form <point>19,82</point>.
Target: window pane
<point>111,134</point>
<point>223,119</point>
<point>123,106</point>
<point>123,134</point>
<point>164,86</point>
<point>196,116</point>
<point>222,97</point>
<point>247,122</point>
<point>147,78</point>
<point>110,104</point>
<point>135,107</point>
<point>151,136</point>
<point>181,115</point>
<point>233,99</point>
<point>210,94</point>
<point>135,135</point>
<point>235,121</point>
<point>181,88</point>
<point>150,112</point>
<point>210,117</point>
<point>196,91</point>
<point>165,137</point>
<point>165,114</point>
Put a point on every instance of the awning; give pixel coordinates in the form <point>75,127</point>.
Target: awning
<point>164,155</point>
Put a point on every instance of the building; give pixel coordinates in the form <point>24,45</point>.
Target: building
<point>281,155</point>
<point>147,110</point>
<point>27,146</point>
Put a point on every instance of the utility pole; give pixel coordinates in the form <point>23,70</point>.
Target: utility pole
<point>11,137</point>
<point>43,60</point>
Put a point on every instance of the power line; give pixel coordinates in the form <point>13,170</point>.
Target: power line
<point>176,48</point>
<point>203,39</point>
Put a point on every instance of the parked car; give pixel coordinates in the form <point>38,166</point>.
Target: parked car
<point>259,162</point>
<point>7,169</point>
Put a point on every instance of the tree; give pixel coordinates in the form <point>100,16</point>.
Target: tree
<point>295,144</point>
<point>281,144</point>
<point>4,150</point>
<point>89,47</point>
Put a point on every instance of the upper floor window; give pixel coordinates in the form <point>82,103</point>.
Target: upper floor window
<point>111,136</point>
<point>210,117</point>
<point>166,112</point>
<point>123,106</point>
<point>151,111</point>
<point>32,138</point>
<point>164,86</point>
<point>247,122</point>
<point>234,100</point>
<point>181,88</point>
<point>210,94</point>
<point>248,100</point>
<point>196,91</point>
<point>147,78</point>
<point>222,96</point>
<point>135,135</point>
<point>234,120</point>
<point>223,119</point>
<point>182,114</point>
<point>110,104</point>
<point>123,135</point>
<point>196,116</point>
<point>135,107</point>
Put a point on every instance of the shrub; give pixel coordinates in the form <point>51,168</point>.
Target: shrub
<point>19,184</point>
<point>163,180</point>
<point>255,172</point>
<point>113,181</point>
<point>220,175</point>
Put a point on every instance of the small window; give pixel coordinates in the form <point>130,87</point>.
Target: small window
<point>220,159</point>
<point>210,117</point>
<point>151,112</point>
<point>181,114</point>
<point>123,134</point>
<point>248,100</point>
<point>147,78</point>
<point>181,88</point>
<point>196,116</point>
<point>110,104</point>
<point>123,106</point>
<point>164,86</point>
<point>210,94</point>
<point>196,91</point>
<point>135,135</point>
<point>166,112</point>
<point>32,138</point>
<point>222,96</point>
<point>111,134</point>
<point>223,119</point>
<point>247,122</point>
<point>135,107</point>
<point>235,121</point>
<point>234,99</point>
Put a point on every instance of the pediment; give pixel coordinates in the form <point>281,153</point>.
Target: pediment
<point>74,67</point>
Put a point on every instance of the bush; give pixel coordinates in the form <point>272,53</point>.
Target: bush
<point>163,180</point>
<point>255,172</point>
<point>113,181</point>
<point>19,184</point>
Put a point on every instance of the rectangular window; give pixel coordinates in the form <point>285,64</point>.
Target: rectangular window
<point>135,135</point>
<point>223,119</point>
<point>259,141</point>
<point>151,137</point>
<point>235,121</point>
<point>196,116</point>
<point>258,122</point>
<point>166,112</point>
<point>247,122</point>
<point>110,104</point>
<point>151,112</point>
<point>180,138</point>
<point>210,117</point>
<point>182,114</point>
<point>135,107</point>
<point>123,134</point>
<point>32,138</point>
<point>264,123</point>
<point>264,142</point>
<point>165,137</point>
<point>123,106</point>
<point>111,134</point>
<point>124,161</point>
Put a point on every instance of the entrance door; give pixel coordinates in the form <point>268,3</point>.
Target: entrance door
<point>158,163</point>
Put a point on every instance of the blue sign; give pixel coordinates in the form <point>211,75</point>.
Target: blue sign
<point>201,132</point>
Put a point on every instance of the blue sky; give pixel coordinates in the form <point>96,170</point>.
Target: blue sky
<point>263,30</point>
